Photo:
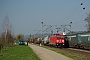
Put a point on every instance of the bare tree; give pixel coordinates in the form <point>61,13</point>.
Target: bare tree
<point>6,35</point>
<point>87,19</point>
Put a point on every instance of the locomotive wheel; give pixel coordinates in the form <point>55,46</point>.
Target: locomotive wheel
<point>57,46</point>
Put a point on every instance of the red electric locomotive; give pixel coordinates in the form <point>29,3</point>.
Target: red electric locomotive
<point>57,40</point>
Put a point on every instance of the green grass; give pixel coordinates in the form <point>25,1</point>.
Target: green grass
<point>19,52</point>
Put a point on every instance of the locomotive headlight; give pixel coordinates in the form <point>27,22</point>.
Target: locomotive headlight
<point>57,41</point>
<point>63,41</point>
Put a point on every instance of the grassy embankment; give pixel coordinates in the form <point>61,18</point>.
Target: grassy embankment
<point>19,52</point>
<point>65,53</point>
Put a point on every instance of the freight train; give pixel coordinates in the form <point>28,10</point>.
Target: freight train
<point>80,40</point>
<point>56,40</point>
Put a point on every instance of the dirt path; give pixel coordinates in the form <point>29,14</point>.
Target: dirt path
<point>46,54</point>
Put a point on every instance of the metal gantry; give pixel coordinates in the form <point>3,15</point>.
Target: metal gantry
<point>64,28</point>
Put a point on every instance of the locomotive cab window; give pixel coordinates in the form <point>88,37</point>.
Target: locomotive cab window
<point>59,37</point>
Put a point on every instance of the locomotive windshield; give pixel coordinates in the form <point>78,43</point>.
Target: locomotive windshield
<point>59,37</point>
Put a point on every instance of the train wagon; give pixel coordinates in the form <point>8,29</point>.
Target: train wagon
<point>57,40</point>
<point>72,40</point>
<point>85,41</point>
<point>46,40</point>
<point>79,40</point>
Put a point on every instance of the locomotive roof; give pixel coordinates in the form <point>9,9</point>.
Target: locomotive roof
<point>58,34</point>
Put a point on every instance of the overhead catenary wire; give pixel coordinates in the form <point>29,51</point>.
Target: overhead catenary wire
<point>72,13</point>
<point>82,17</point>
<point>78,12</point>
<point>82,9</point>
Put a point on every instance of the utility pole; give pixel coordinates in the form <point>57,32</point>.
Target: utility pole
<point>51,32</point>
<point>42,29</point>
<point>42,32</point>
<point>70,27</point>
<point>30,36</point>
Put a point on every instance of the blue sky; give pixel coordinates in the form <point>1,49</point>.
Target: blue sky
<point>26,15</point>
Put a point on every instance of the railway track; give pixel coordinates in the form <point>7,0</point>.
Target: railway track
<point>81,50</point>
<point>76,52</point>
